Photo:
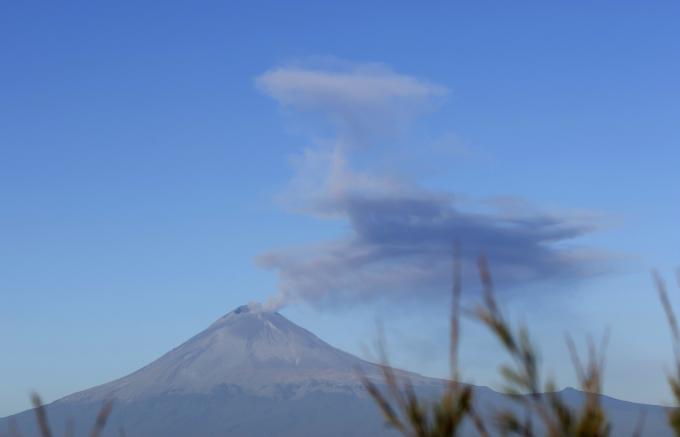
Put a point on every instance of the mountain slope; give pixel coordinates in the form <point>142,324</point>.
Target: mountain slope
<point>252,349</point>
<point>255,373</point>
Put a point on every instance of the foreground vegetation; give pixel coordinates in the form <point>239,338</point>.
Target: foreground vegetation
<point>544,412</point>
<point>44,427</point>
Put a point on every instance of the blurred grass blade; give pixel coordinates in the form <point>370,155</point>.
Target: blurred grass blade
<point>102,417</point>
<point>41,416</point>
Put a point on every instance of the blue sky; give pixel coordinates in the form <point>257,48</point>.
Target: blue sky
<point>154,159</point>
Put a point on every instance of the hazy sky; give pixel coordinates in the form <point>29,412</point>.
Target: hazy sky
<point>163,164</point>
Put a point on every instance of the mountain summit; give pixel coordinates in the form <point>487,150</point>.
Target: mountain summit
<point>250,348</point>
<point>255,373</point>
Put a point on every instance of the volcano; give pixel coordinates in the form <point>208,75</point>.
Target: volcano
<point>255,373</point>
<point>249,350</point>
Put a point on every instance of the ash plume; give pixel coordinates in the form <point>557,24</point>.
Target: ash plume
<point>399,234</point>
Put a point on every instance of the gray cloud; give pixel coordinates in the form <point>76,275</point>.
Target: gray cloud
<point>400,235</point>
<point>400,244</point>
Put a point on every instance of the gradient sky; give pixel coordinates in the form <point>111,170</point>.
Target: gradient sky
<point>147,166</point>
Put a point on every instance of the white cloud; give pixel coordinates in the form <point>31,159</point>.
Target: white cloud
<point>362,99</point>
